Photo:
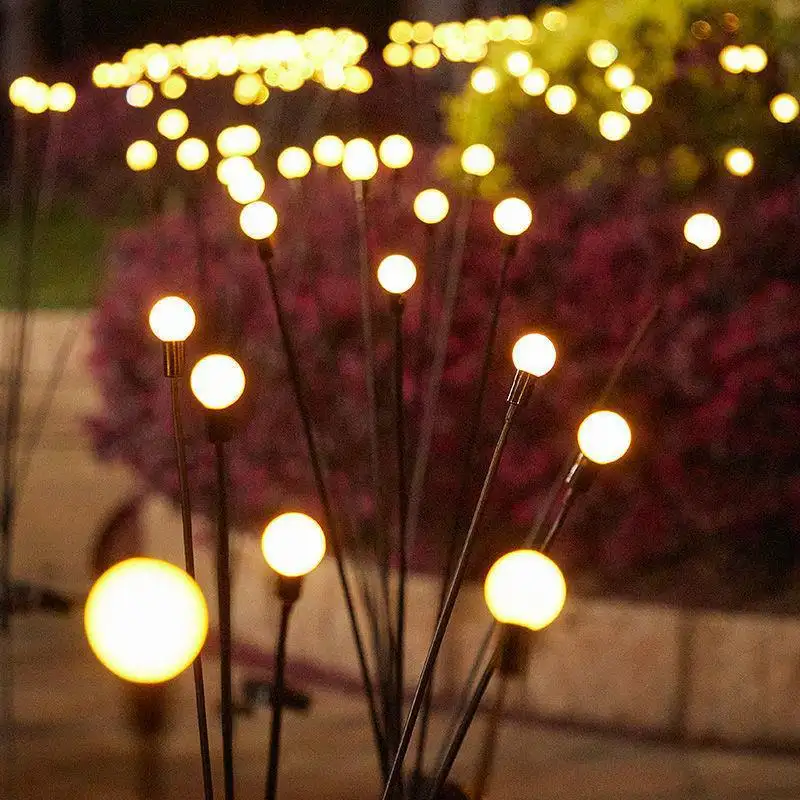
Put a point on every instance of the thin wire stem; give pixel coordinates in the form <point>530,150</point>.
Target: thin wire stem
<point>489,745</point>
<point>188,553</point>
<point>447,608</point>
<point>509,250</point>
<point>224,601</point>
<point>277,702</point>
<point>298,387</point>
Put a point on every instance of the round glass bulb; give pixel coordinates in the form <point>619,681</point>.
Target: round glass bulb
<point>604,436</point>
<point>173,87</point>
<point>217,381</point>
<point>425,56</point>
<point>602,53</point>
<point>359,160</point>
<point>294,162</point>
<point>141,155</point>
<point>784,108</point>
<point>396,151</point>
<point>484,80</point>
<point>702,230</point>
<point>146,620</point>
<point>512,216</point>
<point>396,274</point>
<point>739,161</point>
<point>19,90</point>
<point>172,319</point>
<point>258,220</point>
<point>755,59</point>
<point>518,63</point>
<point>62,97</point>
<point>560,99</point>
<point>293,544</point>
<point>329,151</point>
<point>396,54</point>
<point>229,169</point>
<point>636,99</point>
<point>246,187</point>
<point>172,123</point>
<point>535,354</point>
<point>192,154</point>
<point>732,59</point>
<point>248,140</point>
<point>139,95</point>
<point>525,588</point>
<point>478,160</point>
<point>431,206</point>
<point>619,77</point>
<point>37,98</point>
<point>535,82</point>
<point>614,126</point>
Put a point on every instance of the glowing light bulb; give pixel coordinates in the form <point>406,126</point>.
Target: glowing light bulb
<point>784,108</point>
<point>248,140</point>
<point>484,80</point>
<point>535,82</point>
<point>62,97</point>
<point>246,187</point>
<point>431,206</point>
<point>397,55</point>
<point>525,588</point>
<point>397,274</point>
<point>604,436</point>
<point>173,87</point>
<point>520,28</point>
<point>357,79</point>
<point>141,155</point>
<point>513,216</point>
<point>636,100</point>
<point>101,76</point>
<point>401,31</point>
<point>172,123</point>
<point>230,169</point>
<point>602,53</point>
<point>217,381</point>
<point>329,151</point>
<point>19,90</point>
<point>192,154</point>
<point>702,230</point>
<point>732,59</point>
<point>37,98</point>
<point>172,319</point>
<point>755,59</point>
<point>619,77</point>
<point>158,67</point>
<point>560,99</point>
<point>739,161</point>
<point>145,620</point>
<point>139,95</point>
<point>396,151</point>
<point>425,56</point>
<point>555,20</point>
<point>246,89</point>
<point>294,162</point>
<point>359,160</point>
<point>422,32</point>
<point>478,160</point>
<point>258,220</point>
<point>614,126</point>
<point>535,354</point>
<point>293,544</point>
<point>518,63</point>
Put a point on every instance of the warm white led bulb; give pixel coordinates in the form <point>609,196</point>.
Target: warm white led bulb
<point>258,220</point>
<point>513,216</point>
<point>172,319</point>
<point>560,99</point>
<point>535,354</point>
<point>172,123</point>
<point>192,154</point>
<point>614,126</point>
<point>246,186</point>
<point>329,151</point>
<point>604,436</point>
<point>397,274</point>
<point>396,151</point>
<point>359,161</point>
<point>739,161</point>
<point>141,155</point>
<point>431,206</point>
<point>478,160</point>
<point>294,162</point>
<point>702,230</point>
<point>293,544</point>
<point>217,381</point>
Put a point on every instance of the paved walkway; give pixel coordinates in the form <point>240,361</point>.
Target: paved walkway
<point>70,740</point>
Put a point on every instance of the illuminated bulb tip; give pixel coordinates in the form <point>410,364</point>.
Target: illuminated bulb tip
<point>431,206</point>
<point>146,620</point>
<point>192,154</point>
<point>518,63</point>
<point>732,59</point>
<point>397,274</point>
<point>293,544</point>
<point>396,151</point>
<point>614,126</point>
<point>739,161</point>
<point>484,80</point>
<point>784,108</point>
<point>141,155</point>
<point>604,437</point>
<point>294,162</point>
<point>636,100</point>
<point>525,588</point>
<point>702,230</point>
<point>62,97</point>
<point>20,89</point>
<point>258,220</point>
<point>478,160</point>
<point>535,354</point>
<point>139,95</point>
<point>172,319</point>
<point>535,82</point>
<point>513,216</point>
<point>217,381</point>
<point>359,160</point>
<point>619,77</point>
<point>246,186</point>
<point>560,99</point>
<point>602,53</point>
<point>329,151</point>
<point>172,123</point>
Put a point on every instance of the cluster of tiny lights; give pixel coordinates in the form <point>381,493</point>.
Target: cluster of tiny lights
<point>146,620</point>
<point>217,381</point>
<point>36,97</point>
<point>512,216</point>
<point>293,544</point>
<point>784,108</point>
<point>736,60</point>
<point>396,151</point>
<point>141,155</point>
<point>477,160</point>
<point>397,274</point>
<point>359,160</point>
<point>431,206</point>
<point>604,437</point>
<point>294,162</point>
<point>328,151</point>
<point>535,354</point>
<point>283,59</point>
<point>258,220</point>
<point>702,230</point>
<point>172,319</point>
<point>525,588</point>
<point>423,44</point>
<point>739,161</point>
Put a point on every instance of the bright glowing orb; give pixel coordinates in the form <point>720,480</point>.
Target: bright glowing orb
<point>172,319</point>
<point>396,151</point>
<point>604,436</point>
<point>431,206</point>
<point>535,354</point>
<point>397,274</point>
<point>217,381</point>
<point>293,544</point>
<point>702,230</point>
<point>513,216</point>
<point>258,220</point>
